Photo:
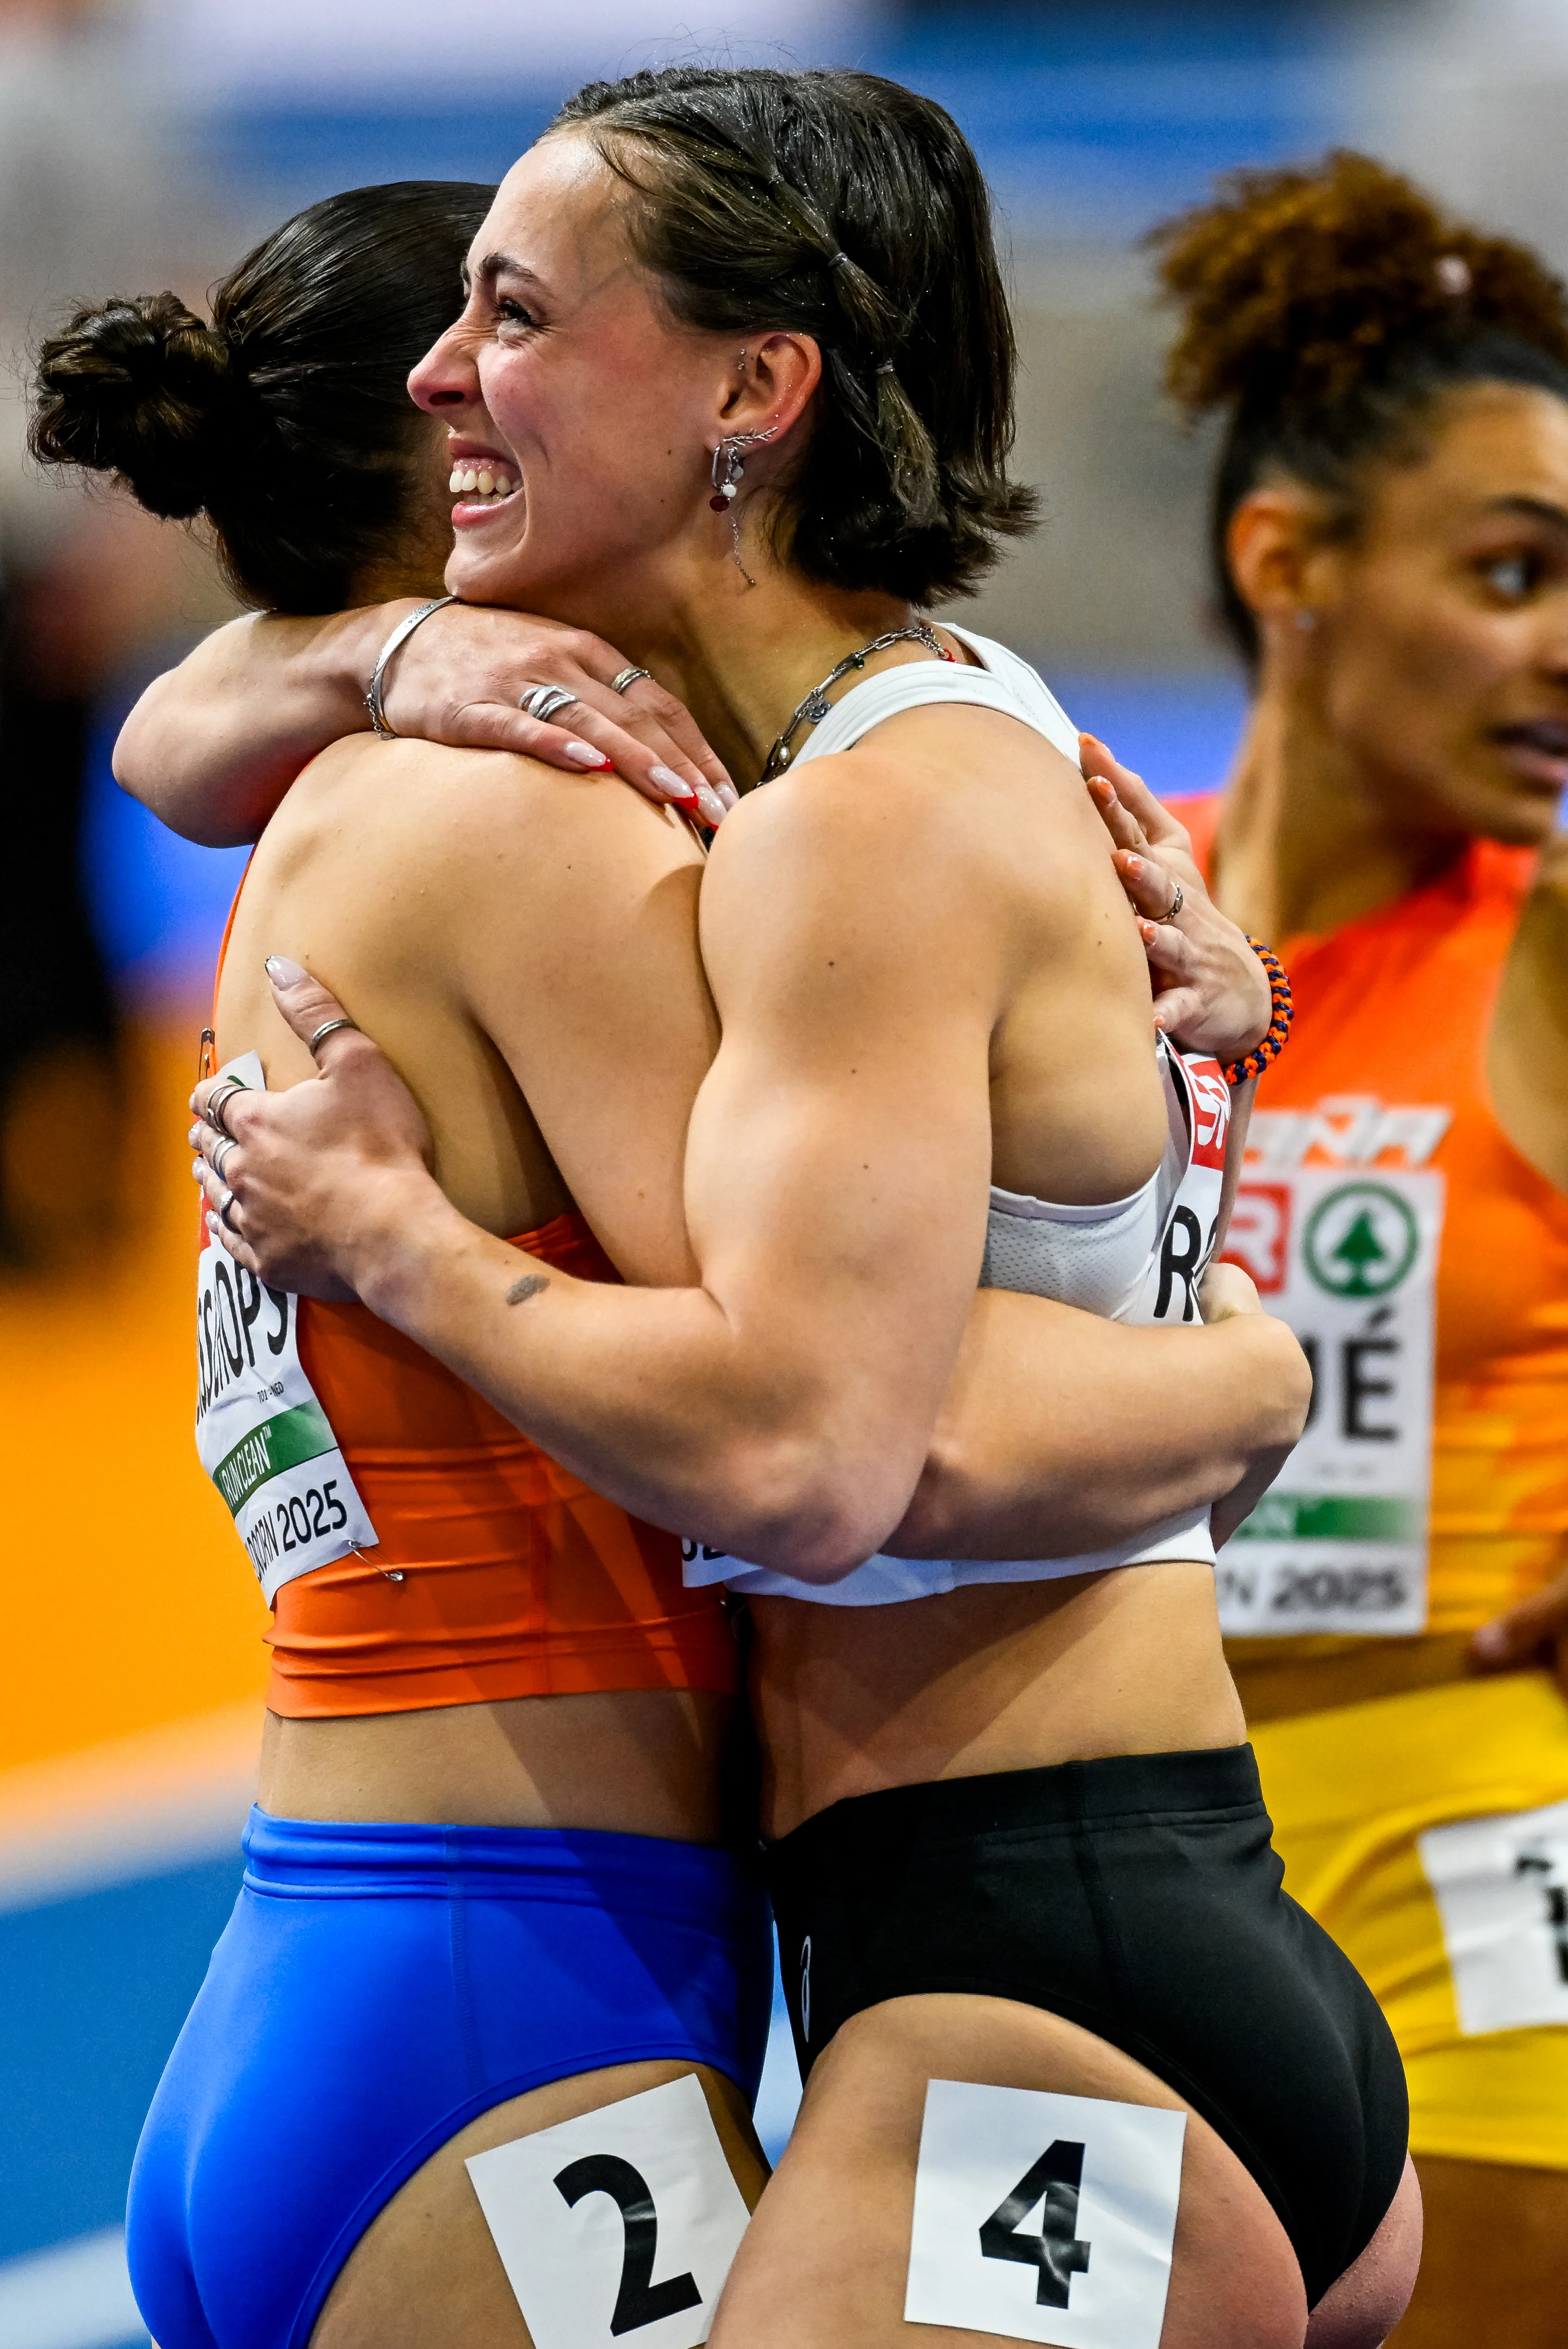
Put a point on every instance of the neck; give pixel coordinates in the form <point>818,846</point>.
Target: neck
<point>1307,843</point>
<point>740,658</point>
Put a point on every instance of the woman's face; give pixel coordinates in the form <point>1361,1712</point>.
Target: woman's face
<point>566,382</point>
<point>1444,629</point>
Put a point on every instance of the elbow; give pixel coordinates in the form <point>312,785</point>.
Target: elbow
<point>798,1504</point>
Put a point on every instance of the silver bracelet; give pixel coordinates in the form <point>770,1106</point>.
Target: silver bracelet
<point>399,637</point>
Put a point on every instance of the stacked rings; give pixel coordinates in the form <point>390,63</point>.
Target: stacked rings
<point>546,701</point>
<point>1281,1012</point>
<point>624,679</point>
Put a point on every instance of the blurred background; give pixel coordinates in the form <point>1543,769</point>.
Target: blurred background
<point>147,143</point>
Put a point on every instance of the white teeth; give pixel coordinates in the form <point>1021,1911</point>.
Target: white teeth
<point>456,482</point>
<point>486,482</point>
<point>503,485</point>
<point>466,481</point>
<point>471,479</point>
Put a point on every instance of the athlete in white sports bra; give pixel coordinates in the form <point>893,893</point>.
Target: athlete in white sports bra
<point>1017,1843</point>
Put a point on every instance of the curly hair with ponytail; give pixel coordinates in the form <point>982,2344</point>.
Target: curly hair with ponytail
<point>286,421</point>
<point>1325,314</point>
<point>852,209</point>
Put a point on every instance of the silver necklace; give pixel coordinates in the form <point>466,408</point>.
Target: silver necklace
<point>816,704</point>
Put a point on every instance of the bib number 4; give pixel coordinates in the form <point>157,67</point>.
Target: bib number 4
<point>1055,2251</point>
<point>1096,2259</point>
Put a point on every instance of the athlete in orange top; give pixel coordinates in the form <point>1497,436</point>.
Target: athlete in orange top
<point>1391,533</point>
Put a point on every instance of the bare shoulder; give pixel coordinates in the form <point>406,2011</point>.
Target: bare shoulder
<point>444,803</point>
<point>935,825</point>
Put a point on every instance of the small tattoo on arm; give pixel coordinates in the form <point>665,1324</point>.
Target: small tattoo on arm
<point>529,1285</point>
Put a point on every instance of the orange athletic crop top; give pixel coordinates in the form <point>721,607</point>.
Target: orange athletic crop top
<point>1386,1067</point>
<point>515,1579</point>
<point>518,1580</point>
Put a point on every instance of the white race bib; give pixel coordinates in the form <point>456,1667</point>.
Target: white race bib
<point>1349,1258</point>
<point>261,1433</point>
<point>1042,2216</point>
<point>619,2225</point>
<point>1501,1888</point>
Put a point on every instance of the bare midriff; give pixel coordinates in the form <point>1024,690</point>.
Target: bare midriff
<point>996,1676</point>
<point>645,1762</point>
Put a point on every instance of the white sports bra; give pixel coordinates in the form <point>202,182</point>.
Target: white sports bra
<point>1134,1260</point>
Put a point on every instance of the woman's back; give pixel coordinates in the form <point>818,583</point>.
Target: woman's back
<point>508,931</point>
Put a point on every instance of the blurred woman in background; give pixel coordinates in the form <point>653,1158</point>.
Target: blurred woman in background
<point>1390,545</point>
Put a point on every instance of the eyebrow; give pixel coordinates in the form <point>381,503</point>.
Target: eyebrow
<point>1542,510</point>
<point>500,264</point>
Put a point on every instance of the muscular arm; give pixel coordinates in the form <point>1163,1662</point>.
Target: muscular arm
<point>784,1410</point>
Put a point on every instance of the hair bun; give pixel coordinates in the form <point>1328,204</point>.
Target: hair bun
<point>1295,284</point>
<point>143,389</point>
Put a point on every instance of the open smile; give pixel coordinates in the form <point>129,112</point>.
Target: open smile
<point>1537,749</point>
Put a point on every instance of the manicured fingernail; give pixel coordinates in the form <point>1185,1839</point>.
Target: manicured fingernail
<point>283,973</point>
<point>729,795</point>
<point>1491,1639</point>
<point>711,805</point>
<point>583,754</point>
<point>673,786</point>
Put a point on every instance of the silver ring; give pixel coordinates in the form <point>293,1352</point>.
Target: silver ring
<point>224,1204</point>
<point>626,678</point>
<point>1174,906</point>
<point>327,1027</point>
<point>546,702</point>
<point>221,1152</point>
<point>214,1112</point>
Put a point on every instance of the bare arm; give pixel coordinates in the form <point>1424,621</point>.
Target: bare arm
<point>212,746</point>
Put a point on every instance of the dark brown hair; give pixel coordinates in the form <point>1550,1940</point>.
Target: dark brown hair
<point>1323,313</point>
<point>288,421</point>
<point>853,209</point>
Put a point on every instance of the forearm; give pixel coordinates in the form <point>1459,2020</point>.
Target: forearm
<point>212,745</point>
<point>1063,1432</point>
<point>655,1398</point>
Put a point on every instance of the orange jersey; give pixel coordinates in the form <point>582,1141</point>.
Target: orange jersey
<point>485,1569</point>
<point>1385,1070</point>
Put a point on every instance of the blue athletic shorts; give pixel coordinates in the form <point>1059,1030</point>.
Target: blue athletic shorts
<point>378,1987</point>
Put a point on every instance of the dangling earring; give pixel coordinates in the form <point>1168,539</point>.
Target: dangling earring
<point>729,466</point>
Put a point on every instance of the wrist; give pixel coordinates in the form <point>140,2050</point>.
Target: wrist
<point>346,652</point>
<point>402,1222</point>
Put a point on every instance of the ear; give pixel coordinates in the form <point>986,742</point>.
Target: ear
<point>1275,545</point>
<point>773,385</point>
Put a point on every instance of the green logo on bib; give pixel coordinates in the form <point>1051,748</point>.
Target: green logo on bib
<point>1361,1241</point>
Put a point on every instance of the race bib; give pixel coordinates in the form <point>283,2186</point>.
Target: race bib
<point>1186,1242</point>
<point>1042,2216</point>
<point>1350,1260</point>
<point>261,1433</point>
<point>1501,1888</point>
<point>619,2225</point>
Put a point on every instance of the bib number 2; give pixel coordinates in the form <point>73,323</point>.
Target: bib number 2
<point>1100,2182</point>
<point>586,2215</point>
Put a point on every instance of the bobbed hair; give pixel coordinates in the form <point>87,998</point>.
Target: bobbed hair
<point>287,421</point>
<point>850,209</point>
<point>1324,313</point>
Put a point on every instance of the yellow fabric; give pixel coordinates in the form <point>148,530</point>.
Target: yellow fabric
<point>1349,1790</point>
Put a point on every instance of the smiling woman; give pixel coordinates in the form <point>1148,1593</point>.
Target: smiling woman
<point>1390,539</point>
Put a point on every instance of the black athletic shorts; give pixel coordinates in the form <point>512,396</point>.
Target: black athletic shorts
<point>1141,1898</point>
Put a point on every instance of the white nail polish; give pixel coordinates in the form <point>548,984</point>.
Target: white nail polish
<point>666,779</point>
<point>583,754</point>
<point>729,796</point>
<point>710,804</point>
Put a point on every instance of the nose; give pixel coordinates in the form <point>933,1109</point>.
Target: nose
<point>445,378</point>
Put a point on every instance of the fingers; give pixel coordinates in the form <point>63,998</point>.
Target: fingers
<point>1171,954</point>
<point>308,1007</point>
<point>1518,1630</point>
<point>1150,889</point>
<point>1160,828</point>
<point>597,744</point>
<point>1126,831</point>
